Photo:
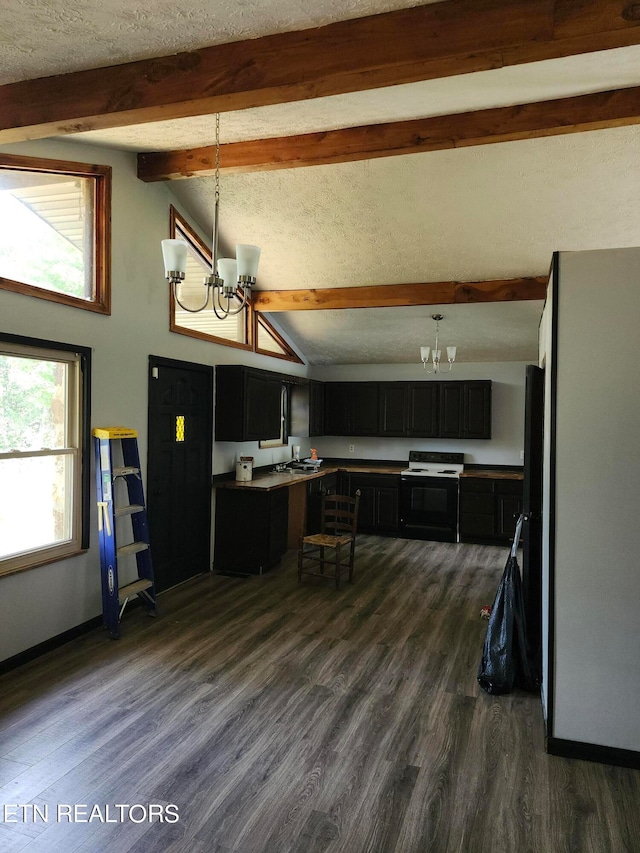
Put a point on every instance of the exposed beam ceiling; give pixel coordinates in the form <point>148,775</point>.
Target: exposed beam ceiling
<point>423,42</point>
<point>524,121</point>
<point>398,295</point>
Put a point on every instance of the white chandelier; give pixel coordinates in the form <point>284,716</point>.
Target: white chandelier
<point>227,274</point>
<point>436,352</point>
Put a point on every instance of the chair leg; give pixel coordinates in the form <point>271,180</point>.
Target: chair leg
<point>322,559</point>
<point>351,558</point>
<point>337,569</point>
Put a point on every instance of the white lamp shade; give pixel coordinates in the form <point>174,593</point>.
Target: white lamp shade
<point>424,353</point>
<point>248,258</point>
<point>174,253</point>
<point>228,271</point>
<point>451,353</point>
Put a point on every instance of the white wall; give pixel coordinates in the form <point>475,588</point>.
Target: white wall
<point>43,602</point>
<point>503,448</point>
<point>597,576</point>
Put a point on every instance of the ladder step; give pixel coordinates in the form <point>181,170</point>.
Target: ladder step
<point>128,510</point>
<point>124,470</point>
<point>133,588</point>
<point>132,548</point>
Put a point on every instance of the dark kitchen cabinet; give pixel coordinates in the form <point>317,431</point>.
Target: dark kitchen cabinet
<point>428,409</point>
<point>422,409</point>
<point>392,402</point>
<point>248,404</point>
<point>451,409</point>
<point>379,501</point>
<point>251,530</point>
<point>351,408</point>
<point>465,409</point>
<point>476,410</point>
<point>489,508</point>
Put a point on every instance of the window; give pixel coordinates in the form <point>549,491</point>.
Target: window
<point>44,470</point>
<point>283,438</point>
<point>247,329</point>
<point>55,241</point>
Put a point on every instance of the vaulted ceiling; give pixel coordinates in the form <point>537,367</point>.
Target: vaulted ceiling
<point>415,159</point>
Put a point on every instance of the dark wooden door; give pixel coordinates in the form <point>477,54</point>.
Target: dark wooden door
<point>179,469</point>
<point>532,507</point>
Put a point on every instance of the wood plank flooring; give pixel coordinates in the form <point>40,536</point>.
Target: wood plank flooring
<point>299,719</point>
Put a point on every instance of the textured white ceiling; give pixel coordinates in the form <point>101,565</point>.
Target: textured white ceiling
<point>44,37</point>
<point>494,211</point>
<point>484,332</point>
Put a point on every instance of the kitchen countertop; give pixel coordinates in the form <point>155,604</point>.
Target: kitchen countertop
<point>493,475</point>
<point>268,482</point>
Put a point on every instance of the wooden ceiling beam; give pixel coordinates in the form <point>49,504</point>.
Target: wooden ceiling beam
<point>398,295</point>
<point>617,108</point>
<point>404,46</point>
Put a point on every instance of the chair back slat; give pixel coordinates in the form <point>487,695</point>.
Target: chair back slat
<point>340,513</point>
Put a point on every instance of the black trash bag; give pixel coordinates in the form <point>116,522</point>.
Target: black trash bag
<point>506,662</point>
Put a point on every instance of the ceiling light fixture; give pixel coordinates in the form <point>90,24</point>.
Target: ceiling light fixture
<point>227,274</point>
<point>436,353</point>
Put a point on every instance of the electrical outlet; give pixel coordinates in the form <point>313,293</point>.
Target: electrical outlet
<point>352,447</point>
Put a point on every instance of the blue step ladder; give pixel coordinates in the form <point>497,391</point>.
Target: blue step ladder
<point>115,597</point>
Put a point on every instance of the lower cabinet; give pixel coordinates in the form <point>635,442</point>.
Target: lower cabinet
<point>251,530</point>
<point>489,509</point>
<point>379,501</point>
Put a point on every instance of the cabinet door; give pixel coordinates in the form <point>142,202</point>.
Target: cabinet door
<point>363,397</point>
<point>336,408</point>
<point>422,409</point>
<point>392,398</point>
<point>263,407</point>
<point>509,508</point>
<point>477,410</point>
<point>387,508</point>
<point>451,409</point>
<point>367,507</point>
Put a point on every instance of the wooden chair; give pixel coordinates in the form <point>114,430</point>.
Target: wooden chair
<point>339,519</point>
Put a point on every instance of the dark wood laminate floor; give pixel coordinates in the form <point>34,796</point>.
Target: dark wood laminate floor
<point>297,719</point>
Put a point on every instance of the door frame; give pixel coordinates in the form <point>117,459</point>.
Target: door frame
<point>207,370</point>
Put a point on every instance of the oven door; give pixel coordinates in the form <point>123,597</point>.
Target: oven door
<point>429,508</point>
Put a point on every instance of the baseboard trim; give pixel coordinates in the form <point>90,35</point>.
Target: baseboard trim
<point>48,645</point>
<point>593,752</point>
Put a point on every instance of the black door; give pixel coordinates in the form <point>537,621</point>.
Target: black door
<point>179,469</point>
<point>532,506</point>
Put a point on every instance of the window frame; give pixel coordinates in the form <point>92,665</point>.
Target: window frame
<point>101,176</point>
<point>80,510</point>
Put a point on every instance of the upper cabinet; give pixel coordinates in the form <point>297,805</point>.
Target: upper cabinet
<point>351,408</point>
<point>428,409</point>
<point>248,404</point>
